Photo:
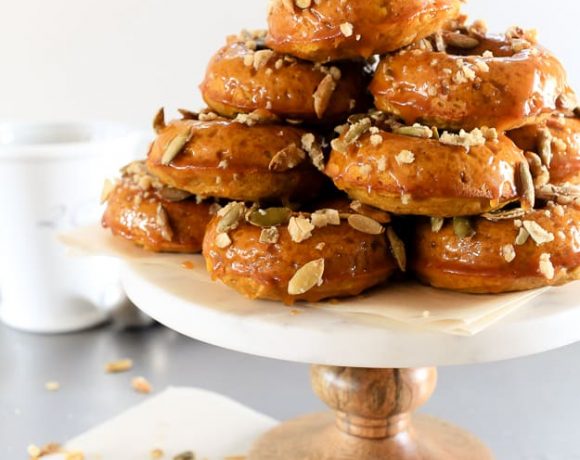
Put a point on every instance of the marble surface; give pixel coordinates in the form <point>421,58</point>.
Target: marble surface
<point>219,316</point>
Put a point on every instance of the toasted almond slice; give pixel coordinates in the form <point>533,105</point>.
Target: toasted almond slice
<point>365,224</point>
<point>307,277</point>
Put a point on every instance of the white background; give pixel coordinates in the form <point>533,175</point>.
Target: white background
<point>122,59</point>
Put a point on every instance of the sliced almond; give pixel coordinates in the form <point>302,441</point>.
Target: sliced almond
<point>416,130</point>
<point>397,249</point>
<point>307,277</point>
<point>323,95</point>
<point>175,146</point>
<point>365,224</point>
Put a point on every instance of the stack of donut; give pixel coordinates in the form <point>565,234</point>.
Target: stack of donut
<point>454,157</point>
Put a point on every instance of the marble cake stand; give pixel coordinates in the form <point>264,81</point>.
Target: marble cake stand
<point>373,376</point>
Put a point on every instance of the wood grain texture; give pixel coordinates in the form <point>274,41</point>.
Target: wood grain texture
<point>373,421</point>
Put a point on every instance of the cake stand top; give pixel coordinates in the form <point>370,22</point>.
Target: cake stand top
<point>222,317</point>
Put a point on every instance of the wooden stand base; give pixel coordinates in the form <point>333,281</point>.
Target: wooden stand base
<point>373,421</point>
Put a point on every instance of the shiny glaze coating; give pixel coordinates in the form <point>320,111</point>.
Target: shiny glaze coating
<point>282,84</point>
<point>442,180</point>
<point>470,88</point>
<point>565,146</point>
<point>227,159</point>
<point>354,262</point>
<point>132,213</point>
<point>477,264</point>
<point>335,29</point>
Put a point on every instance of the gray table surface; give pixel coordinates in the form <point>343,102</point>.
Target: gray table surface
<point>523,409</point>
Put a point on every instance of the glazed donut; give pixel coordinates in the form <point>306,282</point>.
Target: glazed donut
<point>237,159</point>
<point>334,29</point>
<point>556,145</point>
<point>541,248</point>
<point>407,170</point>
<point>244,76</point>
<point>472,80</point>
<point>277,255</point>
<point>156,217</point>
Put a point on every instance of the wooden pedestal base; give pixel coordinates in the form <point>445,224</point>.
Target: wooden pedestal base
<point>373,421</point>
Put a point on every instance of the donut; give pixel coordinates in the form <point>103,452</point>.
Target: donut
<point>278,255</point>
<point>237,159</point>
<point>515,253</point>
<point>334,29</point>
<point>156,217</point>
<point>415,170</point>
<point>245,76</point>
<point>468,79</point>
<point>553,148</point>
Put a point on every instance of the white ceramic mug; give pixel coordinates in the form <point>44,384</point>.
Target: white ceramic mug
<point>51,177</point>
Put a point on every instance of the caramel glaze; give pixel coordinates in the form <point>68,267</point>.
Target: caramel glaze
<point>442,180</point>
<point>477,264</point>
<point>378,26</point>
<point>227,159</point>
<point>354,262</point>
<point>506,91</point>
<point>565,146</point>
<point>132,213</point>
<point>283,85</point>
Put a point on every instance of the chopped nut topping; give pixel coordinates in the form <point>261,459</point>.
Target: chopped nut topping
<point>379,215</point>
<point>382,164</point>
<point>464,139</point>
<point>324,217</point>
<point>323,95</point>
<point>307,277</point>
<point>287,159</point>
<point>347,29</point>
<point>416,130</point>
<point>300,229</point>
<point>339,145</point>
<point>223,240</point>
<point>405,157</point>
<point>526,182</point>
<point>269,235</point>
<point>538,233</point>
<point>462,227</point>
<point>261,58</point>
<point>508,252</point>
<point>141,385</point>
<point>546,266</point>
<point>545,146</point>
<point>357,129</point>
<point>365,224</point>
<point>122,365</point>
<point>314,151</point>
<point>376,140</point>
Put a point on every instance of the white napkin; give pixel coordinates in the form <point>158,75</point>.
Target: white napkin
<point>175,421</point>
<point>410,303</point>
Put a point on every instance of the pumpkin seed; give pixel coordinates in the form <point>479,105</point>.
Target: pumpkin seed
<point>357,130</point>
<point>159,121</point>
<point>416,130</point>
<point>398,249</point>
<point>526,182</point>
<point>462,227</point>
<point>300,229</point>
<point>307,277</point>
<point>230,216</point>
<point>505,215</point>
<point>323,95</point>
<point>458,40</point>
<point>173,194</point>
<point>325,217</point>
<point>270,217</point>
<point>365,224</point>
<point>522,236</point>
<point>437,224</point>
<point>175,146</point>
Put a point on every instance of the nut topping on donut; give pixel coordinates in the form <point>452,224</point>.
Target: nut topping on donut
<point>538,234</point>
<point>546,266</point>
<point>307,277</point>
